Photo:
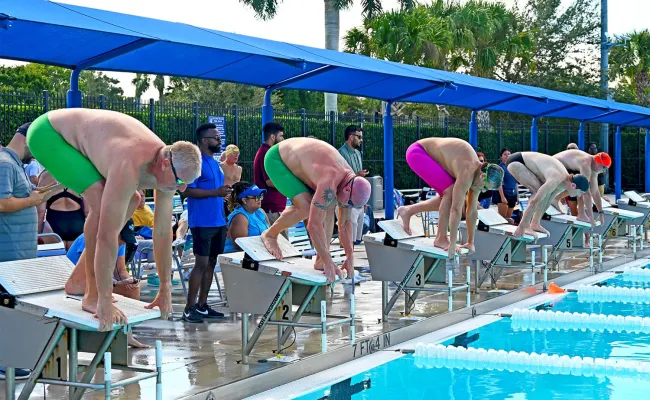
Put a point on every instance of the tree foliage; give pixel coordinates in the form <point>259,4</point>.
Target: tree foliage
<point>630,65</point>
<point>32,78</point>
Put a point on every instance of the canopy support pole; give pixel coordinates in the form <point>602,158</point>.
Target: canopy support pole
<point>647,160</point>
<point>581,136</point>
<point>267,109</point>
<point>618,143</point>
<point>74,94</point>
<point>473,130</point>
<point>389,208</point>
<point>534,142</point>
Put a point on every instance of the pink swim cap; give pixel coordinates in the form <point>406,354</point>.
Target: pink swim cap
<point>360,191</point>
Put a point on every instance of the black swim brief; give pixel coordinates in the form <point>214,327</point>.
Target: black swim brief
<point>515,157</point>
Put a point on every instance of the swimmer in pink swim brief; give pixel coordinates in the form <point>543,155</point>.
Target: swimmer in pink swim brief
<point>451,167</point>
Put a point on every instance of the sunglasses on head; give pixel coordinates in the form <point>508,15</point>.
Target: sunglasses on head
<point>179,181</point>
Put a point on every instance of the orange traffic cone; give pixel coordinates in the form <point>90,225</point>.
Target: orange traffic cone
<point>555,289</point>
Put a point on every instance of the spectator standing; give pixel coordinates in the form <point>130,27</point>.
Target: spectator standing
<point>484,198</point>
<point>508,196</point>
<point>352,155</point>
<point>274,202</point>
<point>229,165</point>
<point>593,150</point>
<point>207,222</point>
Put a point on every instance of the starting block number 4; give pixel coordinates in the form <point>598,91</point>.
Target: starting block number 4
<point>506,257</point>
<point>57,366</point>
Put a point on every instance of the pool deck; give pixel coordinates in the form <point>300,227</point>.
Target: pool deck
<point>201,361</point>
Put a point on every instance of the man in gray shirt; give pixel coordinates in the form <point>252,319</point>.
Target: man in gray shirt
<point>352,155</point>
<point>18,201</point>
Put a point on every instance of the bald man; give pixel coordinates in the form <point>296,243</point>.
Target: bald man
<point>450,166</point>
<point>546,177</point>
<point>578,162</point>
<point>106,157</point>
<point>315,177</point>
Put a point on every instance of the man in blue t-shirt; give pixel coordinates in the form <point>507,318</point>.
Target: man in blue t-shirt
<point>207,222</point>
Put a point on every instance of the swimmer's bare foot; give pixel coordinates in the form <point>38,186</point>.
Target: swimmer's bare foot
<point>89,304</point>
<point>531,232</point>
<point>520,231</point>
<point>319,264</point>
<point>540,228</point>
<point>108,314</point>
<point>584,218</point>
<point>441,242</point>
<point>402,213</point>
<point>134,343</point>
<point>271,245</point>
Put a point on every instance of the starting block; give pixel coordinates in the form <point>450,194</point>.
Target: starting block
<point>616,225</point>
<point>256,283</point>
<point>495,243</point>
<point>43,330</point>
<point>411,260</point>
<point>639,204</point>
<point>568,235</point>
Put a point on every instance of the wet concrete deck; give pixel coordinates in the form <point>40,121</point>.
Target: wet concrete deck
<point>198,357</point>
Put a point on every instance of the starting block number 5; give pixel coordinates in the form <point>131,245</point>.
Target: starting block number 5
<point>567,244</point>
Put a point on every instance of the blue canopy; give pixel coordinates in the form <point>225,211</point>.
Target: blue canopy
<point>78,37</point>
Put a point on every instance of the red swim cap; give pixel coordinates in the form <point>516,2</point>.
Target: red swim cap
<point>603,159</point>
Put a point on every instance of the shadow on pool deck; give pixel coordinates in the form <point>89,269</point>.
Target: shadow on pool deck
<point>198,357</point>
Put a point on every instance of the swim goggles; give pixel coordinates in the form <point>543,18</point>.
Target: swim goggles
<point>179,181</point>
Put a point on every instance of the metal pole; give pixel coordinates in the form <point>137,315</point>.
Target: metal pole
<point>473,130</point>
<point>159,370</point>
<point>333,128</point>
<point>581,136</point>
<point>107,375</point>
<point>647,160</point>
<point>244,337</point>
<point>546,137</point>
<point>604,75</point>
<point>418,133</point>
<point>533,135</point>
<point>74,94</point>
<point>267,109</point>
<point>46,101</point>
<point>500,139</point>
<point>73,352</point>
<point>235,111</point>
<point>10,383</point>
<point>388,163</point>
<point>152,115</point>
<point>618,183</point>
<point>303,122</point>
<point>195,115</point>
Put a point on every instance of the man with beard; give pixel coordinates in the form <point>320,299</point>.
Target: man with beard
<point>352,155</point>
<point>593,150</point>
<point>207,222</point>
<point>273,202</point>
<point>18,201</point>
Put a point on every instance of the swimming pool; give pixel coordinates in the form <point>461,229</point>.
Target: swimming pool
<point>405,377</point>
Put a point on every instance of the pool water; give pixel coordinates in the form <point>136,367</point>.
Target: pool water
<point>401,379</point>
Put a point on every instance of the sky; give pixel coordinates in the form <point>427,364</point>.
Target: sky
<point>297,21</point>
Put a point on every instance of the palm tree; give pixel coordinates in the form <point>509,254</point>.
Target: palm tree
<point>630,62</point>
<point>159,84</point>
<point>266,9</point>
<point>142,84</point>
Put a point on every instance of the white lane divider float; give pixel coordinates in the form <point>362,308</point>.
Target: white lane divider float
<point>564,321</point>
<point>637,271</point>
<point>438,356</point>
<point>598,294</point>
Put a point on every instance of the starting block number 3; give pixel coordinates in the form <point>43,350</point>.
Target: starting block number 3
<point>417,279</point>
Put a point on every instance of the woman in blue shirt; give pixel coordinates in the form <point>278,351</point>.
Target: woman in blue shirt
<point>507,195</point>
<point>246,215</point>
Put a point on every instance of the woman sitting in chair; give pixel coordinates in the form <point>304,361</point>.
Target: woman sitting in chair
<point>246,215</point>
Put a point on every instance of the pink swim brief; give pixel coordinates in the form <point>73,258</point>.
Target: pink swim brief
<point>428,169</point>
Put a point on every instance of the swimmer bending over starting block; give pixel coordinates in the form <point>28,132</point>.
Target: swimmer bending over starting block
<point>107,157</point>
<point>452,168</point>
<point>315,177</point>
<point>546,177</point>
<point>578,162</point>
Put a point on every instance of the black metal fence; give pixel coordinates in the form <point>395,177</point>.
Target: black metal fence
<point>174,121</point>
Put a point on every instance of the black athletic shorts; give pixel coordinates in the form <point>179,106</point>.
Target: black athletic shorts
<point>511,200</point>
<point>208,242</point>
<point>569,198</point>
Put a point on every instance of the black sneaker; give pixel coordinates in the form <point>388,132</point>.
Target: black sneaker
<point>19,373</point>
<point>191,314</point>
<point>207,312</point>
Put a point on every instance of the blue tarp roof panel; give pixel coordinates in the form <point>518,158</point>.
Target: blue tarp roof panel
<point>66,35</point>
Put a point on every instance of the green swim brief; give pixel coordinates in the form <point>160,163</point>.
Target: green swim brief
<point>283,179</point>
<point>66,164</point>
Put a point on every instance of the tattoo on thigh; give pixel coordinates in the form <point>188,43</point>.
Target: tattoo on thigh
<point>328,197</point>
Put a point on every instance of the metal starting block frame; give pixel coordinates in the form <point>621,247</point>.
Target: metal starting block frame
<point>637,203</point>
<point>413,261</point>
<point>43,330</point>
<point>495,243</point>
<point>256,283</point>
<point>568,235</point>
<point>619,223</point>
